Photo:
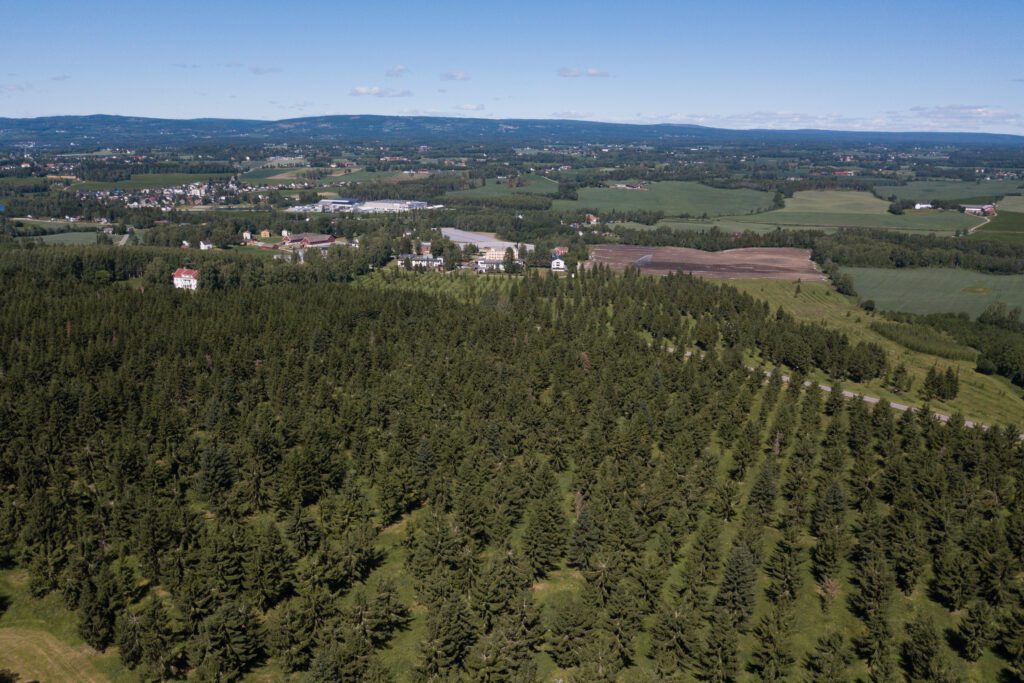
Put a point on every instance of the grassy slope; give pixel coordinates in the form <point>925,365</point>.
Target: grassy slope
<point>675,198</point>
<point>145,181</point>
<point>952,190</point>
<point>1008,226</point>
<point>837,208</point>
<point>986,398</point>
<point>936,290</point>
<point>533,184</point>
<point>39,641</point>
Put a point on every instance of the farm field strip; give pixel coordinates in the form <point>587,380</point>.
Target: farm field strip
<point>764,262</point>
<point>936,290</point>
<point>673,197</point>
<point>949,190</point>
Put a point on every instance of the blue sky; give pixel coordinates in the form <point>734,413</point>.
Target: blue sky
<point>840,64</point>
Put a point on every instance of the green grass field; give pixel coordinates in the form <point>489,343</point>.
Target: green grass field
<point>1007,226</point>
<point>727,224</point>
<point>1014,203</point>
<point>39,640</point>
<point>148,181</point>
<point>986,398</point>
<point>69,238</point>
<point>532,184</point>
<point>674,198</point>
<point>936,290</point>
<point>950,190</point>
<point>837,208</point>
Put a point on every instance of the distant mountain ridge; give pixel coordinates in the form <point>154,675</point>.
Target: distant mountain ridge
<point>68,132</point>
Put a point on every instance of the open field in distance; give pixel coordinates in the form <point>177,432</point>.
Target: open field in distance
<point>148,181</point>
<point>532,184</point>
<point>673,197</point>
<point>950,190</point>
<point>765,262</point>
<point>838,208</point>
<point>936,290</point>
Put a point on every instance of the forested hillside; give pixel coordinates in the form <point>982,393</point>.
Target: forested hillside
<point>208,481</point>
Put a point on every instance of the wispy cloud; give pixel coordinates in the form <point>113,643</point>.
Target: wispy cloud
<point>60,77</point>
<point>377,91</point>
<point>397,71</point>
<point>263,70</point>
<point>574,72</point>
<point>184,65</point>
<point>470,107</point>
<point>455,76</point>
<point>571,114</point>
<point>11,88</point>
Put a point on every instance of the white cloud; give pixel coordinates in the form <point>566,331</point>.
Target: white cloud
<point>455,76</point>
<point>60,77</point>
<point>571,114</point>
<point>596,73</point>
<point>184,65</point>
<point>589,72</point>
<point>263,70</point>
<point>397,71</point>
<point>377,91</point>
<point>470,107</point>
<point>9,88</point>
<point>569,72</point>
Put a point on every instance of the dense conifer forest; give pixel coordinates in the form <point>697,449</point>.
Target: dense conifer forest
<point>205,480</point>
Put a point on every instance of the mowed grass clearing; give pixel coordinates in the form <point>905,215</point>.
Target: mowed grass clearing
<point>986,398</point>
<point>39,641</point>
<point>837,208</point>
<point>936,290</point>
<point>949,190</point>
<point>149,181</point>
<point>69,238</point>
<point>532,184</point>
<point>673,197</point>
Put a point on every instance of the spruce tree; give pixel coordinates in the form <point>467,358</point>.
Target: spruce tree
<point>978,630</point>
<point>829,661</point>
<point>735,596</point>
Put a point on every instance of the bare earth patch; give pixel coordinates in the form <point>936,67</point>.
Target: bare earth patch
<point>777,263</point>
<point>38,655</point>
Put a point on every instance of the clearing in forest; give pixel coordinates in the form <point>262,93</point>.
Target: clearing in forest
<point>39,656</point>
<point>775,263</point>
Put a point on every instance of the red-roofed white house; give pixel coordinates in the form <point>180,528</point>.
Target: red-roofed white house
<point>186,278</point>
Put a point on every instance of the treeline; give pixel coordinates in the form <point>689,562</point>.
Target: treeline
<point>112,171</point>
<point>890,249</point>
<point>924,339</point>
<point>712,239</point>
<point>997,334</point>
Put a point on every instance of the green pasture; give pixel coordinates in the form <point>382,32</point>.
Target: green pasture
<point>950,190</point>
<point>149,181</point>
<point>673,197</point>
<point>837,208</point>
<point>936,290</point>
<point>70,238</point>
<point>1007,226</point>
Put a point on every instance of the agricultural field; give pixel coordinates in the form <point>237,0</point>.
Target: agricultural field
<point>1013,203</point>
<point>1006,226</point>
<point>149,181</point>
<point>765,262</point>
<point>674,198</point>
<point>727,224</point>
<point>950,190</point>
<point>936,290</point>
<point>68,238</point>
<point>837,208</point>
<point>988,399</point>
<point>296,174</point>
<point>532,184</point>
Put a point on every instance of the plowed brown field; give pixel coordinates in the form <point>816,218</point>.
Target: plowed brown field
<point>777,263</point>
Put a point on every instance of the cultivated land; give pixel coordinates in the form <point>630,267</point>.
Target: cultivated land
<point>837,208</point>
<point>936,290</point>
<point>674,198</point>
<point>950,190</point>
<point>987,399</point>
<point>766,262</point>
<point>1007,226</point>
<point>262,176</point>
<point>532,184</point>
<point>1011,204</point>
<point>66,238</point>
<point>149,181</point>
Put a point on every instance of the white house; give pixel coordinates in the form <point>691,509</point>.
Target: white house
<point>557,265</point>
<point>247,235</point>
<point>920,206</point>
<point>185,278</point>
<point>205,246</point>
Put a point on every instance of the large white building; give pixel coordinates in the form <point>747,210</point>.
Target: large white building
<point>186,278</point>
<point>486,244</point>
